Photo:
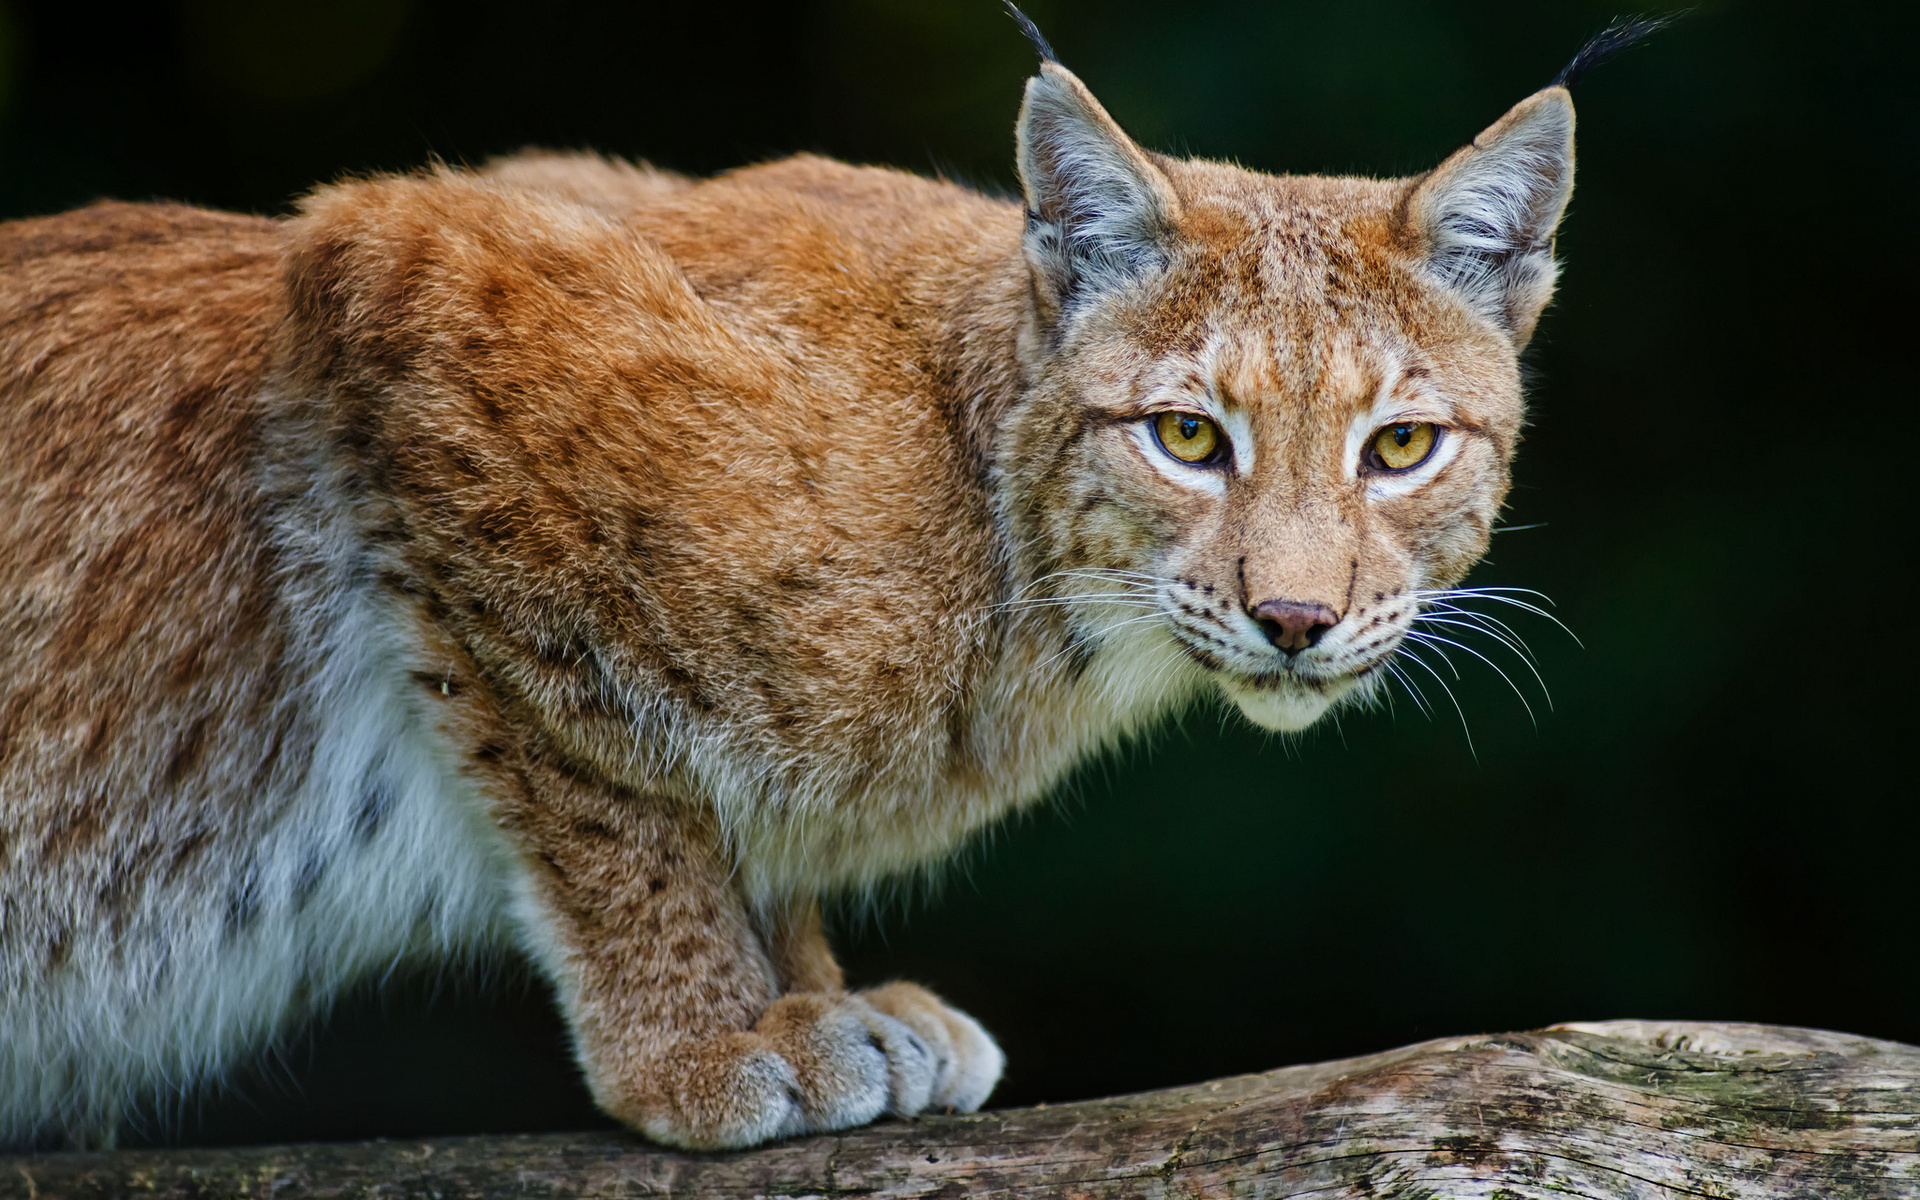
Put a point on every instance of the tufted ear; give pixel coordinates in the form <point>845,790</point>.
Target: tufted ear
<point>1484,219</point>
<point>1099,212</point>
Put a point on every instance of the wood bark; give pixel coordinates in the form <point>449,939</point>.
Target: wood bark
<point>1620,1109</point>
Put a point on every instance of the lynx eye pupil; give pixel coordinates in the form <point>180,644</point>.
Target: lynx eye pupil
<point>1189,437</point>
<point>1403,446</point>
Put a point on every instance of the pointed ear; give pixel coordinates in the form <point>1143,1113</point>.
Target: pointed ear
<point>1099,213</point>
<point>1484,219</point>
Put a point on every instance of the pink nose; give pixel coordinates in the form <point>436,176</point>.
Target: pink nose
<point>1293,625</point>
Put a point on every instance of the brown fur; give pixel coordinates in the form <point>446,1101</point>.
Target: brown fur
<point>706,548</point>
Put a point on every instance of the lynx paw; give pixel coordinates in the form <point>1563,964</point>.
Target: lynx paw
<point>813,1062</point>
<point>967,1062</point>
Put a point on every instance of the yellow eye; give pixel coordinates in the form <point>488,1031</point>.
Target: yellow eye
<point>1398,447</point>
<point>1187,437</point>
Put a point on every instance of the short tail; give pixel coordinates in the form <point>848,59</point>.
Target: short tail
<point>1623,32</point>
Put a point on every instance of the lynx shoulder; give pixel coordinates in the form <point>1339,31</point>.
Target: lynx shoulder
<point>576,558</point>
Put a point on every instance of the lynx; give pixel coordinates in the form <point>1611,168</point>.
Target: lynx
<point>577,560</point>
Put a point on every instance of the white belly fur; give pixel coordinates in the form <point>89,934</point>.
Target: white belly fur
<point>375,857</point>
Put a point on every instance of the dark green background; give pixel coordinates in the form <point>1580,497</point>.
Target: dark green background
<point>1714,821</point>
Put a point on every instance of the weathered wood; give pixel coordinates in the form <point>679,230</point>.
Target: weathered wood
<point>1622,1109</point>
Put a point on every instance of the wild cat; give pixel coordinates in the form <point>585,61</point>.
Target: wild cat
<point>583,560</point>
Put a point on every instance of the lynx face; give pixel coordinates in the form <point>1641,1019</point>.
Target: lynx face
<point>1272,412</point>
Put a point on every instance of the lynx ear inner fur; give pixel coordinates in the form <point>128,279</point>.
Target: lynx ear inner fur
<point>1485,217</point>
<point>486,562</point>
<point>1099,213</point>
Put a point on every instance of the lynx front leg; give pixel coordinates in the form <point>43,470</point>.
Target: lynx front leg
<point>677,1008</point>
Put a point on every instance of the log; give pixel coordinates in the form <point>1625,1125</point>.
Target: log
<point>1619,1109</point>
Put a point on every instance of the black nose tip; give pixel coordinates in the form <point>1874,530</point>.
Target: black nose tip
<point>1293,625</point>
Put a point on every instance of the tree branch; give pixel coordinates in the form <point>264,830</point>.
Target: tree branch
<point>1622,1109</point>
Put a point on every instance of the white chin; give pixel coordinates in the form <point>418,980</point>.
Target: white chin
<point>1285,708</point>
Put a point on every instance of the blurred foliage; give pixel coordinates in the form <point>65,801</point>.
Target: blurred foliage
<point>1714,818</point>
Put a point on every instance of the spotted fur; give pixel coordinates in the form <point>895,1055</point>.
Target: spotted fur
<point>578,560</point>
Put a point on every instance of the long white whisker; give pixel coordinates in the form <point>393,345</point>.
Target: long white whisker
<point>1130,587</point>
<point>1537,611</point>
<point>1487,594</point>
<point>1484,591</point>
<point>1082,596</point>
<point>1084,575</point>
<point>1415,694</point>
<point>1488,621</point>
<point>1466,732</point>
<point>1108,574</point>
<point>1102,634</point>
<point>1117,586</point>
<point>1464,620</point>
<point>1152,616</point>
<point>1519,650</point>
<point>1426,637</point>
<point>1068,601</point>
<point>1433,640</point>
<point>1093,578</point>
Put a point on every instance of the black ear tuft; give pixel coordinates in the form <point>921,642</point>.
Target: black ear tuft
<point>1623,32</point>
<point>1032,31</point>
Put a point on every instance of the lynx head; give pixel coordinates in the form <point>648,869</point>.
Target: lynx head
<point>1271,410</point>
